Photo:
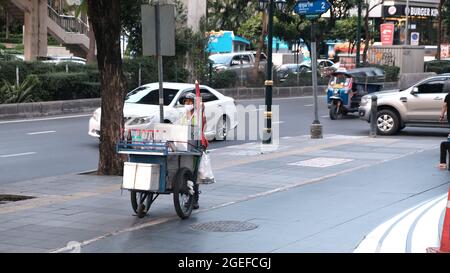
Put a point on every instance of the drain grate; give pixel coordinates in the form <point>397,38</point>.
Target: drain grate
<point>6,198</point>
<point>224,226</point>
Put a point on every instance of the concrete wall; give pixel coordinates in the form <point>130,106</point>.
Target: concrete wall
<point>285,58</point>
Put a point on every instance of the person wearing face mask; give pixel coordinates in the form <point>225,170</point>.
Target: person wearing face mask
<point>189,118</point>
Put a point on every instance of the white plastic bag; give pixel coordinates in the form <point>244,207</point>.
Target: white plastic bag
<point>205,174</point>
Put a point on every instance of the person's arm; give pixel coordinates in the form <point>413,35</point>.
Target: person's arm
<point>443,110</point>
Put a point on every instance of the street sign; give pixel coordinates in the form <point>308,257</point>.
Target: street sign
<point>415,36</point>
<point>166,31</point>
<point>312,7</point>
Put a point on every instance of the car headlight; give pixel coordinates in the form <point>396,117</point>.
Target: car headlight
<point>96,115</point>
<point>141,120</point>
<point>365,100</point>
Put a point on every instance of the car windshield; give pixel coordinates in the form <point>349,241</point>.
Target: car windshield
<point>220,59</point>
<point>144,95</point>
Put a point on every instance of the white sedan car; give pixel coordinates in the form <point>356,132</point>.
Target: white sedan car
<point>141,109</point>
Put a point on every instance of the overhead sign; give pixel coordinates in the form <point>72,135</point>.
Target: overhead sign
<point>387,34</point>
<point>400,10</point>
<point>313,7</point>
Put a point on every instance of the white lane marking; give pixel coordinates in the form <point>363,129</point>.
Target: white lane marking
<point>287,137</point>
<point>396,238</point>
<point>425,233</point>
<point>277,122</point>
<point>210,150</point>
<point>324,116</point>
<point>321,162</point>
<point>40,133</point>
<point>43,119</point>
<point>14,155</point>
<point>381,240</point>
<point>309,105</point>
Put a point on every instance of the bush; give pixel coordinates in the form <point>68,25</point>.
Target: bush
<point>224,79</point>
<point>68,86</point>
<point>391,72</point>
<point>439,67</point>
<point>25,92</point>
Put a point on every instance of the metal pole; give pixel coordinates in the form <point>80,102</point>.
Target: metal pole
<point>316,127</point>
<point>17,76</point>
<point>140,75</point>
<point>373,116</point>
<point>160,64</point>
<point>358,35</point>
<point>407,23</point>
<point>267,136</point>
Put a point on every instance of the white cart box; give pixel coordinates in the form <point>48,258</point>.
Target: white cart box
<point>180,135</point>
<point>141,176</point>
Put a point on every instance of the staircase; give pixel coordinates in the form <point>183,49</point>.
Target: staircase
<point>70,31</point>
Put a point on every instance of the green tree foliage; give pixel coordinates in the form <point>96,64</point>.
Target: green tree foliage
<point>230,14</point>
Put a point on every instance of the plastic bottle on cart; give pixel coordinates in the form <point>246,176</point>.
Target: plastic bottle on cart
<point>129,140</point>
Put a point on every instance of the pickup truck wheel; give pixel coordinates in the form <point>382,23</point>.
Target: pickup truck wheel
<point>387,122</point>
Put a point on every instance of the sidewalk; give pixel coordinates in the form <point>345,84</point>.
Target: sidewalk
<point>87,208</point>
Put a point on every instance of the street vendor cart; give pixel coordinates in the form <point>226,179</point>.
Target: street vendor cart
<point>160,167</point>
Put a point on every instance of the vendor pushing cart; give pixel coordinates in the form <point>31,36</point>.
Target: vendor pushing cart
<point>166,160</point>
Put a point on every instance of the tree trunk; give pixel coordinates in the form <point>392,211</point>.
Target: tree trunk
<point>368,36</point>
<point>90,58</point>
<point>439,37</point>
<point>104,16</point>
<point>260,45</point>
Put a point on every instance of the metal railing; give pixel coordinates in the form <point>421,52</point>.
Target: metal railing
<point>69,23</point>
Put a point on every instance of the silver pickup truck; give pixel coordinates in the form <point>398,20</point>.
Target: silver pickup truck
<point>416,106</point>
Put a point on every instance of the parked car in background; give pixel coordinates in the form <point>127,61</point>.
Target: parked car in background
<point>141,109</point>
<point>326,67</point>
<point>236,60</point>
<point>62,59</point>
<point>416,106</point>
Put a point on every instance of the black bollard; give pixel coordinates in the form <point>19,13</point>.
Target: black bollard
<point>373,116</point>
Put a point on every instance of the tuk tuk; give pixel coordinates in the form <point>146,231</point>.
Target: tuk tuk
<point>346,88</point>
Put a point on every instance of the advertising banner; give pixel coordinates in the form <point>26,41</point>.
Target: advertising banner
<point>387,34</point>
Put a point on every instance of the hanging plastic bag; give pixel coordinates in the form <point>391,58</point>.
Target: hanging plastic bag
<point>205,174</point>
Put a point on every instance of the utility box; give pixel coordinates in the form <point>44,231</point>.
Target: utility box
<point>410,59</point>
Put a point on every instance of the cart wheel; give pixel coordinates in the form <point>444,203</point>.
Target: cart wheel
<point>182,198</point>
<point>141,202</point>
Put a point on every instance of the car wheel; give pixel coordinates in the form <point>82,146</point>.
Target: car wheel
<point>222,128</point>
<point>387,122</point>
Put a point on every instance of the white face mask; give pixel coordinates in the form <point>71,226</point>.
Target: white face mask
<point>188,107</point>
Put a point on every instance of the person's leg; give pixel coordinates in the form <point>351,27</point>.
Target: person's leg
<point>196,196</point>
<point>443,154</point>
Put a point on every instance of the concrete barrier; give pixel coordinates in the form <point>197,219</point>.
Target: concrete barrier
<point>48,108</point>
